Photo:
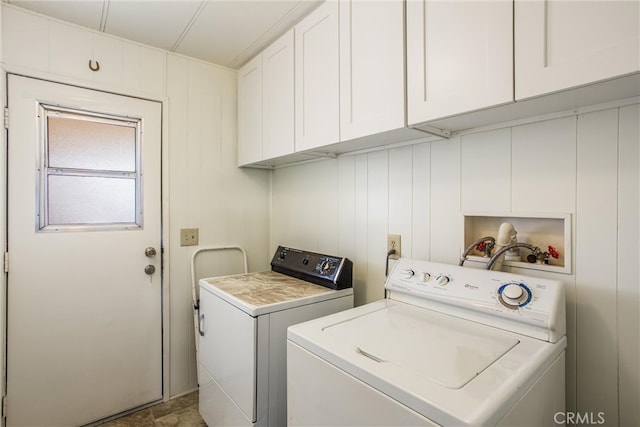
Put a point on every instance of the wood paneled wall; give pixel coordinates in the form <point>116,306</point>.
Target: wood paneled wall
<point>229,205</point>
<point>584,164</point>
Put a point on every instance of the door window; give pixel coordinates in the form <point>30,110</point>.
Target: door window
<point>90,175</point>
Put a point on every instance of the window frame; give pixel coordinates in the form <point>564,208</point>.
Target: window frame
<point>45,171</point>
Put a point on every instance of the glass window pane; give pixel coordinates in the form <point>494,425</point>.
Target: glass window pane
<point>91,200</point>
<point>83,144</point>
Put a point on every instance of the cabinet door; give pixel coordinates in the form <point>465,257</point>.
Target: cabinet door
<point>317,99</point>
<point>250,112</point>
<point>459,57</point>
<point>278,98</point>
<point>563,44</point>
<point>371,67</point>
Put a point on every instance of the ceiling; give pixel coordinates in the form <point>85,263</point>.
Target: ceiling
<point>224,32</point>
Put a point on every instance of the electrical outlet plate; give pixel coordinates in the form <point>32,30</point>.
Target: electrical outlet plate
<point>188,236</point>
<point>393,242</point>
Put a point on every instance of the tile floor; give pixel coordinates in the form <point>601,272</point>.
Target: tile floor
<point>179,412</point>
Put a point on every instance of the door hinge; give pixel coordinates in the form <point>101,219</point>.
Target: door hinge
<point>4,406</point>
<point>6,117</point>
<point>6,262</point>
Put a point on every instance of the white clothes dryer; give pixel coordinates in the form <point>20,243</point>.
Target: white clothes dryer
<point>450,346</point>
<point>243,322</point>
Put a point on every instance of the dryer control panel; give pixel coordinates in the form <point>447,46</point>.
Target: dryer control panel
<point>326,270</point>
<point>529,305</point>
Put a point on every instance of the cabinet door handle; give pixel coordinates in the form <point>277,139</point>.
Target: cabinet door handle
<point>92,67</point>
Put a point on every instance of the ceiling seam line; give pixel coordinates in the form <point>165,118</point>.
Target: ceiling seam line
<point>187,28</point>
<point>105,14</point>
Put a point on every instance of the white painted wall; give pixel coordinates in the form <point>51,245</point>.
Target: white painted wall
<point>229,205</point>
<point>585,164</point>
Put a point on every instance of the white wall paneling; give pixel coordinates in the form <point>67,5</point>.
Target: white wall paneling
<point>377,221</point>
<point>421,201</point>
<point>486,171</point>
<point>562,165</point>
<point>544,166</point>
<point>446,216</point>
<point>51,49</point>
<point>596,238</point>
<point>346,208</point>
<point>229,205</point>
<point>361,261</point>
<point>628,251</point>
<point>30,30</point>
<point>400,197</point>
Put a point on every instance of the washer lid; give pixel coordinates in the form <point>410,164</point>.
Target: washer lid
<point>436,347</point>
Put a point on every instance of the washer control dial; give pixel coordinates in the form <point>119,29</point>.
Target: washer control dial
<point>442,279</point>
<point>514,295</point>
<point>424,277</point>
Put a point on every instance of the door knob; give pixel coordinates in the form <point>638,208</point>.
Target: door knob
<point>150,269</point>
<point>150,252</point>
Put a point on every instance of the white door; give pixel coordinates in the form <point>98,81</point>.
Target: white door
<point>84,318</point>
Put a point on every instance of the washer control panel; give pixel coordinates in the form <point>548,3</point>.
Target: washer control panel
<point>493,297</point>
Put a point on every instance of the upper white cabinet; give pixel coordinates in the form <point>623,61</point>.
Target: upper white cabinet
<point>476,63</point>
<point>278,110</point>
<point>564,44</point>
<point>371,67</point>
<point>250,110</point>
<point>459,57</point>
<point>317,96</point>
<point>265,104</point>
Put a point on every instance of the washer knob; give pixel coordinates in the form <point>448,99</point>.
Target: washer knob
<point>512,292</point>
<point>424,277</point>
<point>442,280</point>
<point>407,274</point>
<point>514,295</point>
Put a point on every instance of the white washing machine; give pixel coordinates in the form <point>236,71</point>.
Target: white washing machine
<point>243,322</point>
<point>450,346</point>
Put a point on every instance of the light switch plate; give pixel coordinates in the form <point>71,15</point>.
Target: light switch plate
<point>188,236</point>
